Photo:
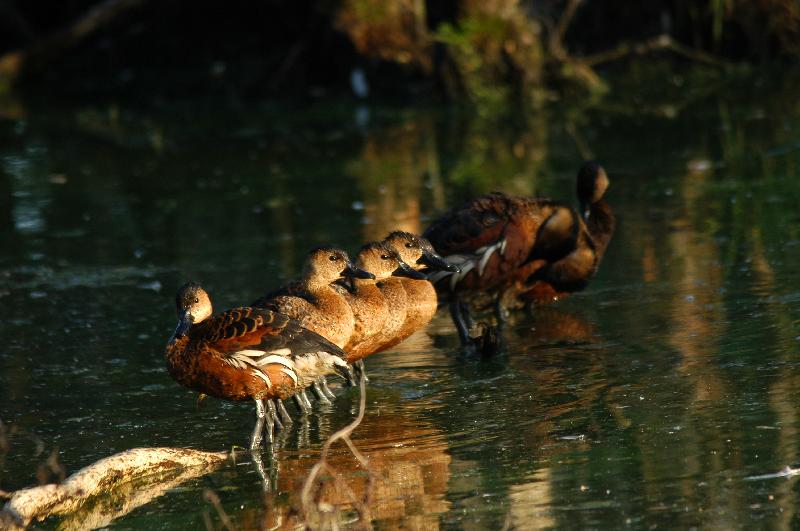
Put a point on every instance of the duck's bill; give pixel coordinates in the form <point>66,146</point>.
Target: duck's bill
<point>354,272</point>
<point>405,270</point>
<point>437,263</point>
<point>184,324</point>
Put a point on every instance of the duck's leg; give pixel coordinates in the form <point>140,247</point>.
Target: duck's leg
<point>287,419</point>
<point>321,396</point>
<point>456,313</point>
<point>273,414</point>
<point>269,422</point>
<point>261,414</point>
<point>301,397</point>
<point>323,382</point>
<point>501,312</point>
<point>268,479</point>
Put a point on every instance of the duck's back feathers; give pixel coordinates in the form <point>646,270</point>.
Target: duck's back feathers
<point>476,223</point>
<point>262,330</point>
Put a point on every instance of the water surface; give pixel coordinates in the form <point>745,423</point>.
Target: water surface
<point>651,399</point>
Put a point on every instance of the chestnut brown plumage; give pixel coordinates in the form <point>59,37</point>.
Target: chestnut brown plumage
<point>537,249</point>
<point>246,354</point>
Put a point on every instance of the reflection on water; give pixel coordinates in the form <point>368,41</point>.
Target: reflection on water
<point>644,401</point>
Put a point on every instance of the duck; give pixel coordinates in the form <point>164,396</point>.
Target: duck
<point>596,225</point>
<point>317,305</point>
<point>393,295</point>
<point>422,301</point>
<point>377,317</point>
<point>364,296</point>
<point>313,300</point>
<point>246,353</point>
<point>533,248</point>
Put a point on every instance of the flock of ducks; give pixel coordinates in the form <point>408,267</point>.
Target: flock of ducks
<point>512,250</point>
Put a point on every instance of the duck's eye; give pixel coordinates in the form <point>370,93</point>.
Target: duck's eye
<point>196,300</point>
<point>333,258</point>
<point>385,257</point>
<point>409,245</point>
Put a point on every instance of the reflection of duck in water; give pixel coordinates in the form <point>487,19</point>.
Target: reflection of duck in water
<point>246,354</point>
<point>523,249</point>
<point>405,486</point>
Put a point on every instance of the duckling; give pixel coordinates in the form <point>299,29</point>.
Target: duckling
<point>532,245</point>
<point>246,354</point>
<point>422,300</point>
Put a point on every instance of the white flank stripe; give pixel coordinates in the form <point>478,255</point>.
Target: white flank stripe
<point>282,352</point>
<point>486,256</point>
<point>456,278</point>
<point>291,374</point>
<point>263,376</point>
<point>286,362</point>
<point>249,353</point>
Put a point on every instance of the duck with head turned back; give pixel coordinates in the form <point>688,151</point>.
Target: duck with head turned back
<point>596,225</point>
<point>246,354</point>
<point>501,241</point>
<point>316,304</point>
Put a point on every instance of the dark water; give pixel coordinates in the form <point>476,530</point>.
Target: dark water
<point>652,399</point>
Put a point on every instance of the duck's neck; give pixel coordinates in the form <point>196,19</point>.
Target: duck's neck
<point>314,283</point>
<point>601,224</point>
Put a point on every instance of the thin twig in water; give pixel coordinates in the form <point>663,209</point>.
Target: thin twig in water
<point>660,42</point>
<point>211,496</point>
<point>310,504</point>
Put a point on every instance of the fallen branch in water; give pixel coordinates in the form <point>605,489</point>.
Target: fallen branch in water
<point>42,52</point>
<point>314,510</point>
<point>660,42</point>
<point>141,470</point>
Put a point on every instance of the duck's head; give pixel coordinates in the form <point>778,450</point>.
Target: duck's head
<point>380,260</point>
<point>193,305</point>
<point>591,184</point>
<point>328,264</point>
<point>418,252</point>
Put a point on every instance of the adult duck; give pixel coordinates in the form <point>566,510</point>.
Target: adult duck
<point>246,354</point>
<point>539,247</point>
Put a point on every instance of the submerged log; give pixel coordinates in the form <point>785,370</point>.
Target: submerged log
<point>114,485</point>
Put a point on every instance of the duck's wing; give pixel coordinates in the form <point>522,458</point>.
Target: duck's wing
<point>292,289</point>
<point>258,337</point>
<point>477,223</point>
